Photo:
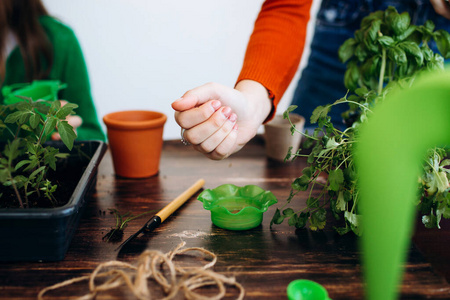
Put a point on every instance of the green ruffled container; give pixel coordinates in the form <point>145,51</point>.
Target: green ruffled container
<point>237,208</point>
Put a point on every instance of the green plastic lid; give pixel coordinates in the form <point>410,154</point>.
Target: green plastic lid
<point>303,289</point>
<point>237,208</point>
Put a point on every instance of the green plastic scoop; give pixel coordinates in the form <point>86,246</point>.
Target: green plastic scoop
<point>389,156</point>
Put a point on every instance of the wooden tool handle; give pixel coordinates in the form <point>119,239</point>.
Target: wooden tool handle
<point>178,201</point>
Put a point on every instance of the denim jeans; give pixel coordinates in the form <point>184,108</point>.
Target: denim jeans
<point>322,80</point>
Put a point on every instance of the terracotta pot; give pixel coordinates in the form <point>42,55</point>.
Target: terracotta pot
<point>278,137</point>
<point>135,139</point>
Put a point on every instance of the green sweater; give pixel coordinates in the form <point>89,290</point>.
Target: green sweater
<point>68,67</point>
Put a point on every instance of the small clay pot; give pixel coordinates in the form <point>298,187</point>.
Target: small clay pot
<point>278,137</point>
<point>135,139</point>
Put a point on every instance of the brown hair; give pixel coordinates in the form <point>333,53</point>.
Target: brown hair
<point>21,17</point>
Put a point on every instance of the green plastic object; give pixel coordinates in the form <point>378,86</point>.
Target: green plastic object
<point>303,289</point>
<point>38,89</point>
<point>237,208</point>
<point>389,156</point>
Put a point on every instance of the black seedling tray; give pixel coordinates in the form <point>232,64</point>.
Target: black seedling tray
<point>44,234</point>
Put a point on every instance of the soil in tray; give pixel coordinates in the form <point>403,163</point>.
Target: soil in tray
<point>66,177</point>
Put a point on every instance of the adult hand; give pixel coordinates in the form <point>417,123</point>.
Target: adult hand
<point>441,7</point>
<point>220,120</point>
<point>73,120</point>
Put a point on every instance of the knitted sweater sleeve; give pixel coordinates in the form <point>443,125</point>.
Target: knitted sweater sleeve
<point>276,46</point>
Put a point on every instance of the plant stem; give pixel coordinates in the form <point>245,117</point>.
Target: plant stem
<point>359,104</point>
<point>382,70</point>
<point>42,132</point>
<point>301,132</point>
<point>16,191</point>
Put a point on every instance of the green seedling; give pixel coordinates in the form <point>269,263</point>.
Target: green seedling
<point>25,160</point>
<point>116,233</point>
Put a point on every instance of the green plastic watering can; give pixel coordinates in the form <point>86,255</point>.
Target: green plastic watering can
<point>38,89</point>
<point>389,156</point>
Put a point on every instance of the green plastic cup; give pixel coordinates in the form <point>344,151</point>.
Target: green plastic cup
<point>303,289</point>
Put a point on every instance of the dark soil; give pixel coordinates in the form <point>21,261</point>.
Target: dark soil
<point>66,177</point>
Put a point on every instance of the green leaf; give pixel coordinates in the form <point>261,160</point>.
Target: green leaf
<point>347,49</point>
<point>50,157</point>
<point>50,125</point>
<point>429,221</point>
<point>21,163</point>
<point>331,143</point>
<point>350,174</point>
<point>36,172</point>
<point>360,52</point>
<point>65,110</point>
<point>355,222</point>
<point>12,149</point>
<point>309,171</point>
<point>319,112</point>
<point>373,30</point>
<point>34,120</point>
<point>301,183</point>
<point>340,203</point>
<point>351,76</point>
<point>288,212</point>
<point>442,39</point>
<point>335,179</point>
<point>67,134</point>
<point>54,107</point>
<point>429,25</point>
<point>412,49</point>
<point>15,116</point>
<point>293,220</point>
<point>444,163</point>
<point>386,41</point>
<point>277,218</point>
<point>400,23</point>
<point>427,52</point>
<point>370,67</point>
<point>397,55</point>
<point>342,230</point>
<point>301,220</point>
<point>390,16</point>
<point>318,219</point>
<point>290,109</point>
<point>409,34</point>
<point>436,63</point>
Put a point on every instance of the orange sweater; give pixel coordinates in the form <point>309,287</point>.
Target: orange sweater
<point>276,46</point>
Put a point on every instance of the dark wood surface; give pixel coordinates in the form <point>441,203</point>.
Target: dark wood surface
<point>263,260</point>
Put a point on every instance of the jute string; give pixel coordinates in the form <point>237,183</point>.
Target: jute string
<point>153,265</point>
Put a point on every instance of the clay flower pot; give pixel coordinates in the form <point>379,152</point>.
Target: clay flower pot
<point>135,139</point>
<point>278,137</point>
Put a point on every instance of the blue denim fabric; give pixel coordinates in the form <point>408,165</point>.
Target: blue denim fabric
<point>322,80</point>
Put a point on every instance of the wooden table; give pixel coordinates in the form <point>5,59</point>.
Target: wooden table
<point>263,260</point>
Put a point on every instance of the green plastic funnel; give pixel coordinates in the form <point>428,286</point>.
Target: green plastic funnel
<point>389,156</point>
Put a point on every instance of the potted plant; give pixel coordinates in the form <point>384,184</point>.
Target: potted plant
<point>43,184</point>
<point>386,51</point>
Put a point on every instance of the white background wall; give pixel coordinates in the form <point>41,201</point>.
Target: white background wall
<point>144,54</point>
